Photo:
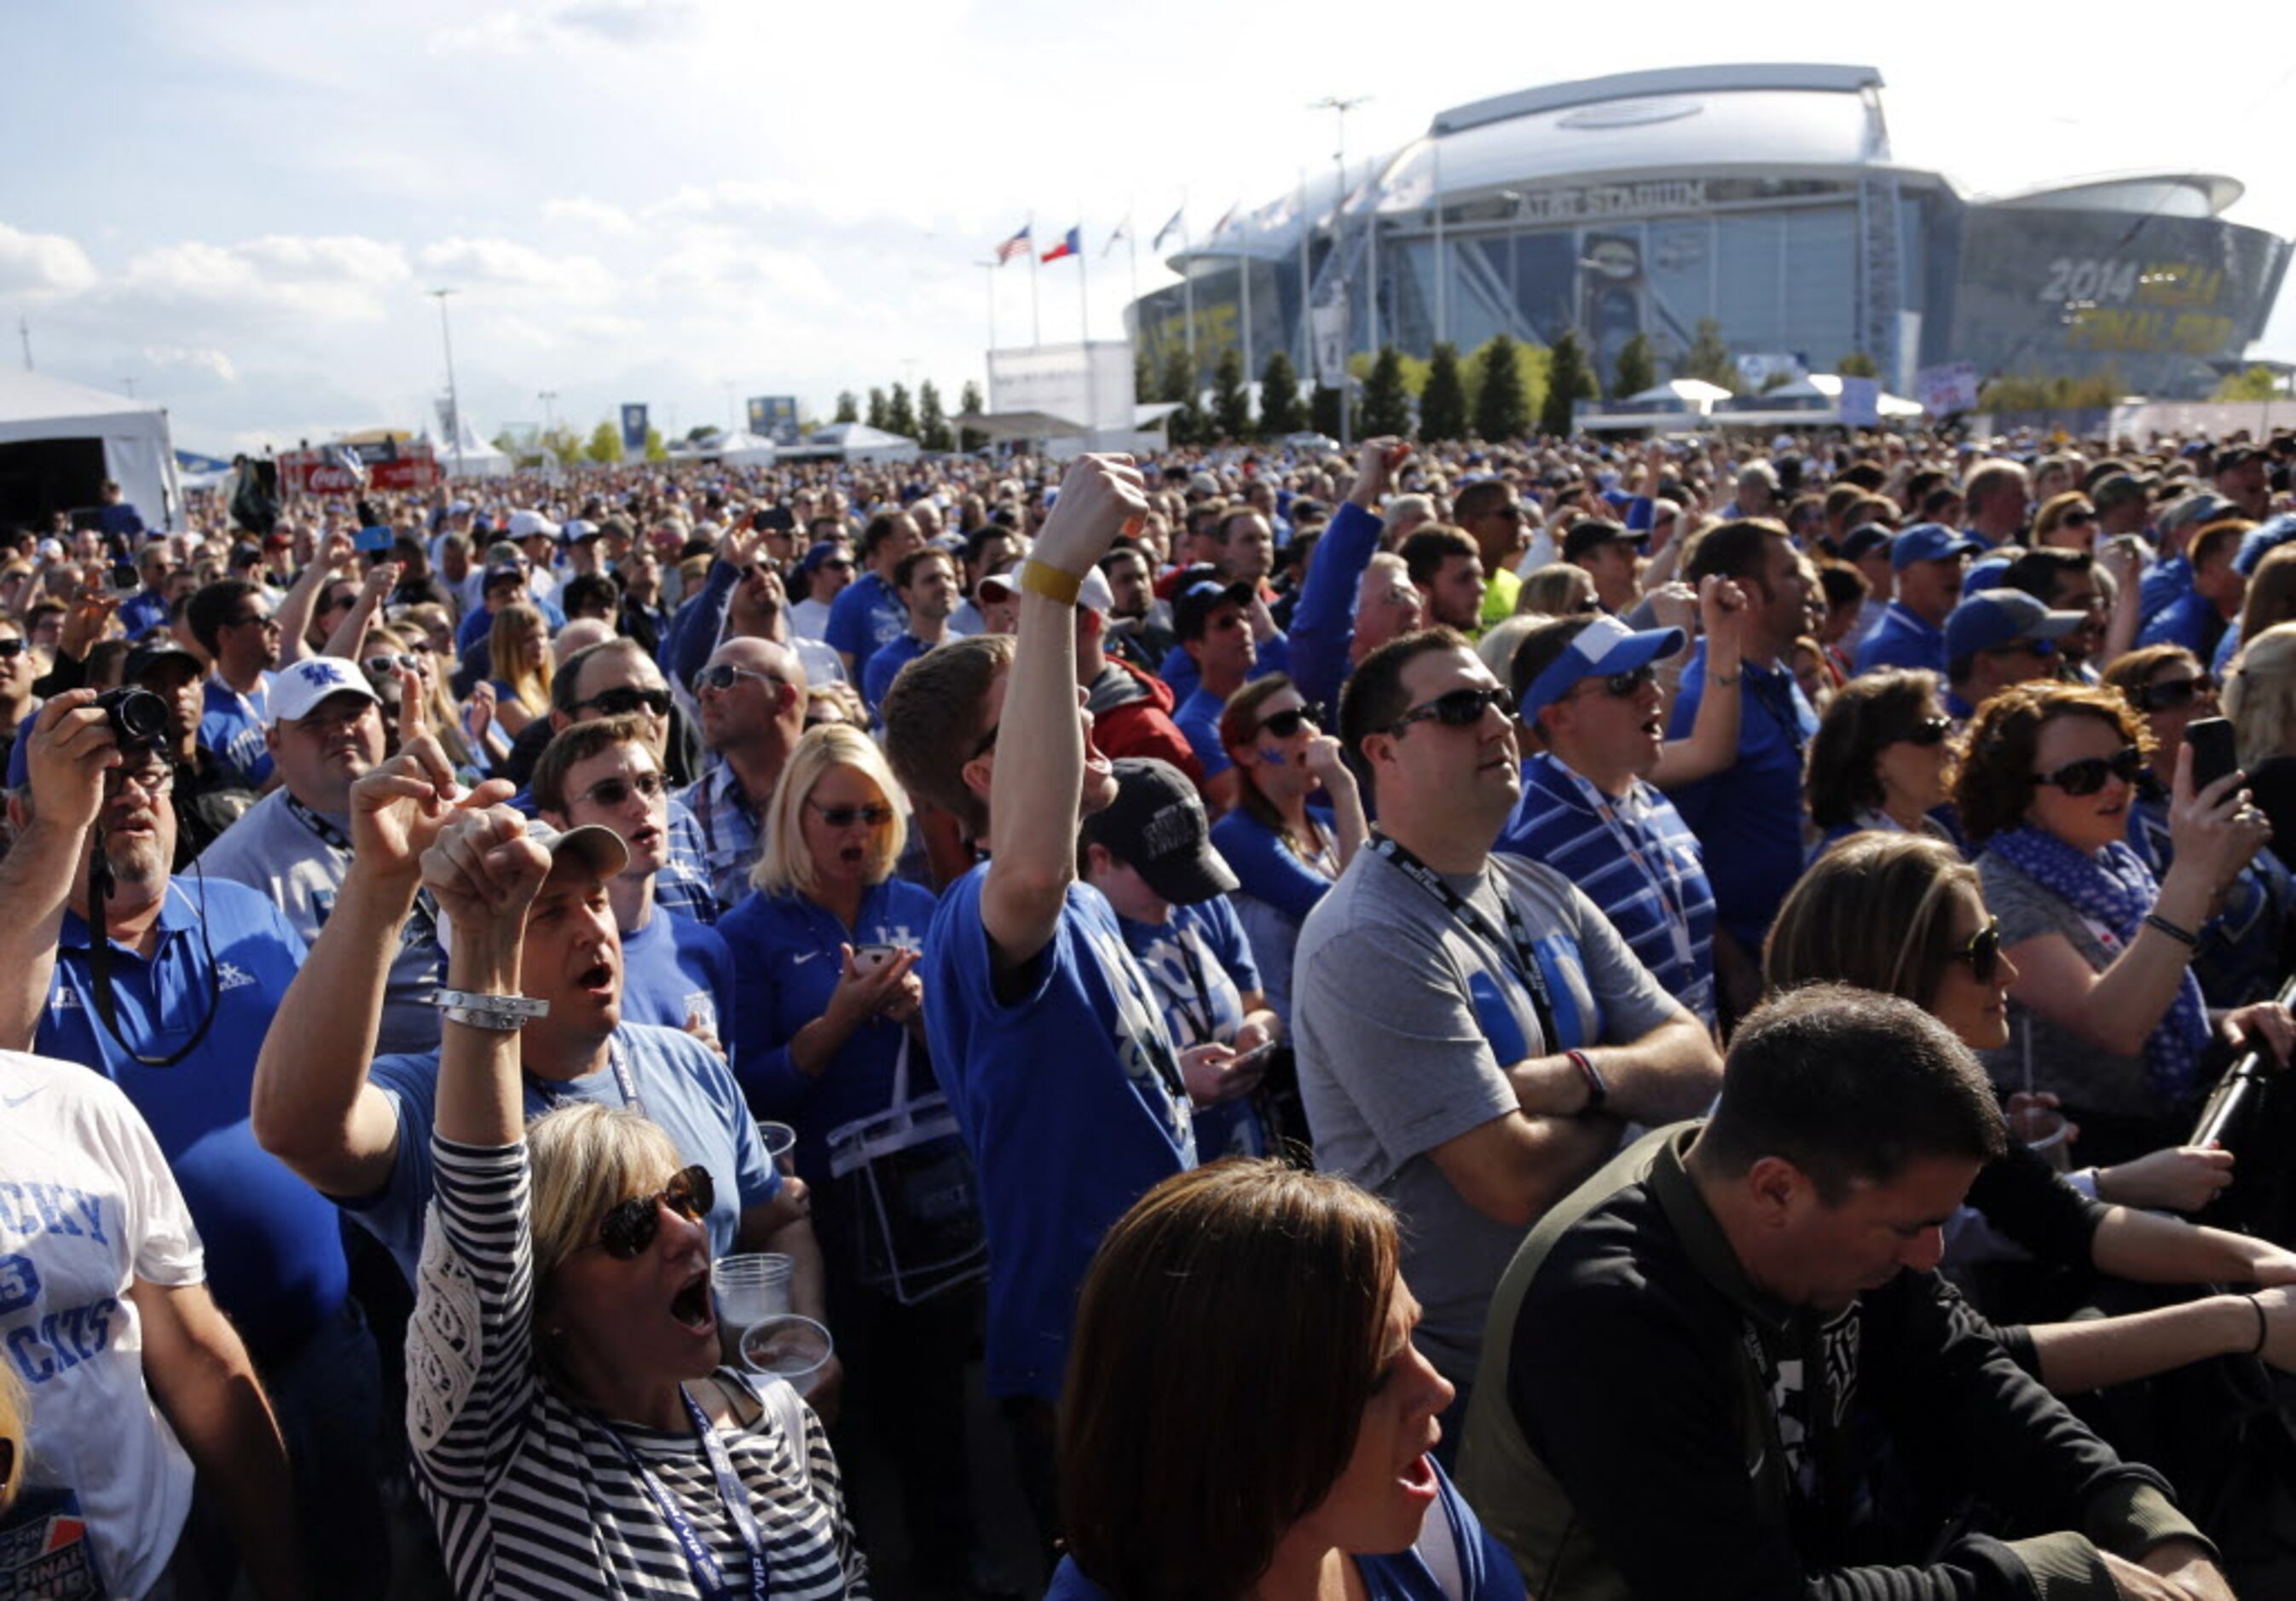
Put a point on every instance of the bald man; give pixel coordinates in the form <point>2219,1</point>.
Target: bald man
<point>751,694</point>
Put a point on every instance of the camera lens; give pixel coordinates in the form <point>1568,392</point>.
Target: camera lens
<point>137,716</point>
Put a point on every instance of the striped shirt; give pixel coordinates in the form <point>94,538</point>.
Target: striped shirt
<point>1633,858</point>
<point>530,1493</point>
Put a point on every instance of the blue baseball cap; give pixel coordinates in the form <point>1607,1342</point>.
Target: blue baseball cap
<point>1604,646</point>
<point>2262,540</point>
<point>1929,542</point>
<point>1986,621</point>
<point>1991,573</point>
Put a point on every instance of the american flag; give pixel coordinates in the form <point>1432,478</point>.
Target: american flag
<point>1018,245</point>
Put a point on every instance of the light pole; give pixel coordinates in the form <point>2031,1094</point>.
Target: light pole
<point>549,399</point>
<point>454,397</point>
<point>1340,107</point>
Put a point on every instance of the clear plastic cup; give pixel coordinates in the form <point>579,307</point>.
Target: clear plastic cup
<point>2043,1129</point>
<point>751,1288</point>
<point>781,1144</point>
<point>787,1347</point>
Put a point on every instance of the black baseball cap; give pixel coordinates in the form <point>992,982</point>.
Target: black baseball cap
<point>1157,826</point>
<point>1589,533</point>
<point>1200,590</point>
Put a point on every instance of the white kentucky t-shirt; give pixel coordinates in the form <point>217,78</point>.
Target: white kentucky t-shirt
<point>86,1207</point>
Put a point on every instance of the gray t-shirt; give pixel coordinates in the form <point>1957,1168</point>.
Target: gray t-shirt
<point>1405,1020</point>
<point>2040,1055</point>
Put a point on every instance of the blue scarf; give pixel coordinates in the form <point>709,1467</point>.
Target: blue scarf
<point>2114,888</point>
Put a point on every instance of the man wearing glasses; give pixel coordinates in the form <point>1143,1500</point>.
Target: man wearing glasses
<point>1997,638</point>
<point>1611,553</point>
<point>233,621</point>
<point>1472,1030</point>
<point>752,697</point>
<point>1490,511</point>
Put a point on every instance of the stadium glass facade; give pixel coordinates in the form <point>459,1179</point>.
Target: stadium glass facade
<point>1765,199</point>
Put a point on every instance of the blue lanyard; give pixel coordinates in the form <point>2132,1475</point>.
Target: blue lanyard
<point>553,1091</point>
<point>709,1577</point>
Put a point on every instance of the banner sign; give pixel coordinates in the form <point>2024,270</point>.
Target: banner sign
<point>633,432</point>
<point>774,417</point>
<point>394,467</point>
<point>1945,389</point>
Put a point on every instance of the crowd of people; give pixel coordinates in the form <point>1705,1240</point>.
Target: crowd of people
<point>1564,1018</point>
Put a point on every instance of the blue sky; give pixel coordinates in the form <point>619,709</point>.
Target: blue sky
<point>237,207</point>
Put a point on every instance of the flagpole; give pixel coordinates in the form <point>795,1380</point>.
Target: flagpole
<point>1083,288</point>
<point>1306,233</point>
<point>1036,323</point>
<point>1188,286</point>
<point>1243,271</point>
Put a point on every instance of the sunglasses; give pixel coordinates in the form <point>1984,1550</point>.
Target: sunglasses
<point>2076,519</point>
<point>621,702</point>
<point>987,741</point>
<point>1459,709</point>
<point>1930,730</point>
<point>10,649</point>
<point>845,816</point>
<point>254,620</point>
<point>610,793</point>
<point>2174,694</point>
<point>629,1226</point>
<point>1283,725</point>
<point>725,674</point>
<point>1627,685</point>
<point>390,664</point>
<point>1982,953</point>
<point>2043,648</point>
<point>2087,775</point>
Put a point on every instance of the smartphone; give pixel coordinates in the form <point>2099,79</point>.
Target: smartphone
<point>868,958</point>
<point>2213,753</point>
<point>1245,1058</point>
<point>123,579</point>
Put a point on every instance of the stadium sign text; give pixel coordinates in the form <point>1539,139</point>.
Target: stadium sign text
<point>1615,200</point>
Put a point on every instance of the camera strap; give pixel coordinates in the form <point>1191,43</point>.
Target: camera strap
<point>99,967</point>
<point>1515,950</point>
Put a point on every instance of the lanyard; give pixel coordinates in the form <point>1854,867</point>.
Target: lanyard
<point>1201,1018</point>
<point>1665,880</point>
<point>709,1577</point>
<point>553,1091</point>
<point>328,832</point>
<point>1774,693</point>
<point>1517,944</point>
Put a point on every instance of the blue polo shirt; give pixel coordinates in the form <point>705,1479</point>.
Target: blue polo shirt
<point>1748,817</point>
<point>2163,581</point>
<point>682,1085</point>
<point>1069,1095</point>
<point>144,609</point>
<point>1902,640</point>
<point>1199,718</point>
<point>866,615</point>
<point>1178,669</point>
<point>2191,621</point>
<point>786,950</point>
<point>887,661</point>
<point>275,1250</point>
<point>675,968</point>
<point>232,726</point>
<point>1636,860</point>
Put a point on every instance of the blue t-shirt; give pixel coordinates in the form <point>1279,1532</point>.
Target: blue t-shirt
<point>1902,640</point>
<point>1199,718</point>
<point>2163,582</point>
<point>785,948</point>
<point>867,614</point>
<point>2239,958</point>
<point>232,726</point>
<point>1069,1096</point>
<point>1636,860</point>
<point>1486,1571</point>
<point>681,1085</point>
<point>2226,649</point>
<point>2191,620</point>
<point>1199,965</point>
<point>1748,817</point>
<point>1275,890</point>
<point>675,968</point>
<point>886,662</point>
<point>275,1254</point>
<point>144,609</point>
<point>1179,669</point>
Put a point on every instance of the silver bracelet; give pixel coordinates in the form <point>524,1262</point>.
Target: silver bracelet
<point>497,1022</point>
<point>517,1009</point>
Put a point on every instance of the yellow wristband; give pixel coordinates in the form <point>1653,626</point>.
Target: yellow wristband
<point>1039,578</point>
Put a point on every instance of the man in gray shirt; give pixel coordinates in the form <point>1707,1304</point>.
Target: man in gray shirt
<point>1472,1030</point>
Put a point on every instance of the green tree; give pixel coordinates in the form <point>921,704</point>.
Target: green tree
<point>848,409</point>
<point>1709,358</point>
<point>1503,400</point>
<point>876,415</point>
<point>1443,397</point>
<point>699,432</point>
<point>656,450</point>
<point>1231,401</point>
<point>2256,383</point>
<point>1570,380</point>
<point>900,415</point>
<point>565,444</point>
<point>1856,365</point>
<point>969,403</point>
<point>605,444</point>
<point>1386,405</point>
<point>1636,372</point>
<point>1279,397</point>
<point>1175,380</point>
<point>932,423</point>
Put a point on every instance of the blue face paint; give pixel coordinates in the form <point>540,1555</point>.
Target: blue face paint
<point>1274,759</point>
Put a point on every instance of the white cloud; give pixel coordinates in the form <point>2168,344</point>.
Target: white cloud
<point>504,263</point>
<point>599,215</point>
<point>39,266</point>
<point>337,279</point>
<point>187,360</point>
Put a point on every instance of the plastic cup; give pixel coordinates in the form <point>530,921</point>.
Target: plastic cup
<point>751,1288</point>
<point>787,1347</point>
<point>781,1144</point>
<point>2042,1130</point>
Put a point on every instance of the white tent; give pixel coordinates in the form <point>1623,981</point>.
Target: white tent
<point>859,442</point>
<point>736,448</point>
<point>59,440</point>
<point>476,458</point>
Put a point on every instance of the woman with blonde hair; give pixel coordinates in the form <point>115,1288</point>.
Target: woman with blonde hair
<point>2066,521</point>
<point>2259,697</point>
<point>1558,589</point>
<point>518,661</point>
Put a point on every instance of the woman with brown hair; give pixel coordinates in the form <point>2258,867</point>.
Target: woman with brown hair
<point>518,661</point>
<point>2067,522</point>
<point>1329,1488</point>
<point>1882,758</point>
<point>2106,1011</point>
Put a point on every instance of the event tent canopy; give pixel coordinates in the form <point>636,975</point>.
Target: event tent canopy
<point>857,442</point>
<point>735,447</point>
<point>475,459</point>
<point>60,441</point>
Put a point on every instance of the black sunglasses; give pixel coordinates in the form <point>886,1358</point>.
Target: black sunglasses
<point>845,816</point>
<point>988,742</point>
<point>2086,776</point>
<point>610,793</point>
<point>2175,693</point>
<point>1459,708</point>
<point>1627,685</point>
<point>1929,731</point>
<point>629,1226</point>
<point>2075,519</point>
<point>1283,725</point>
<point>621,702</point>
<point>1982,953</point>
<point>10,649</point>
<point>265,620</point>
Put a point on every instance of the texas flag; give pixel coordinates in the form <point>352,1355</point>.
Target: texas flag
<point>1071,243</point>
